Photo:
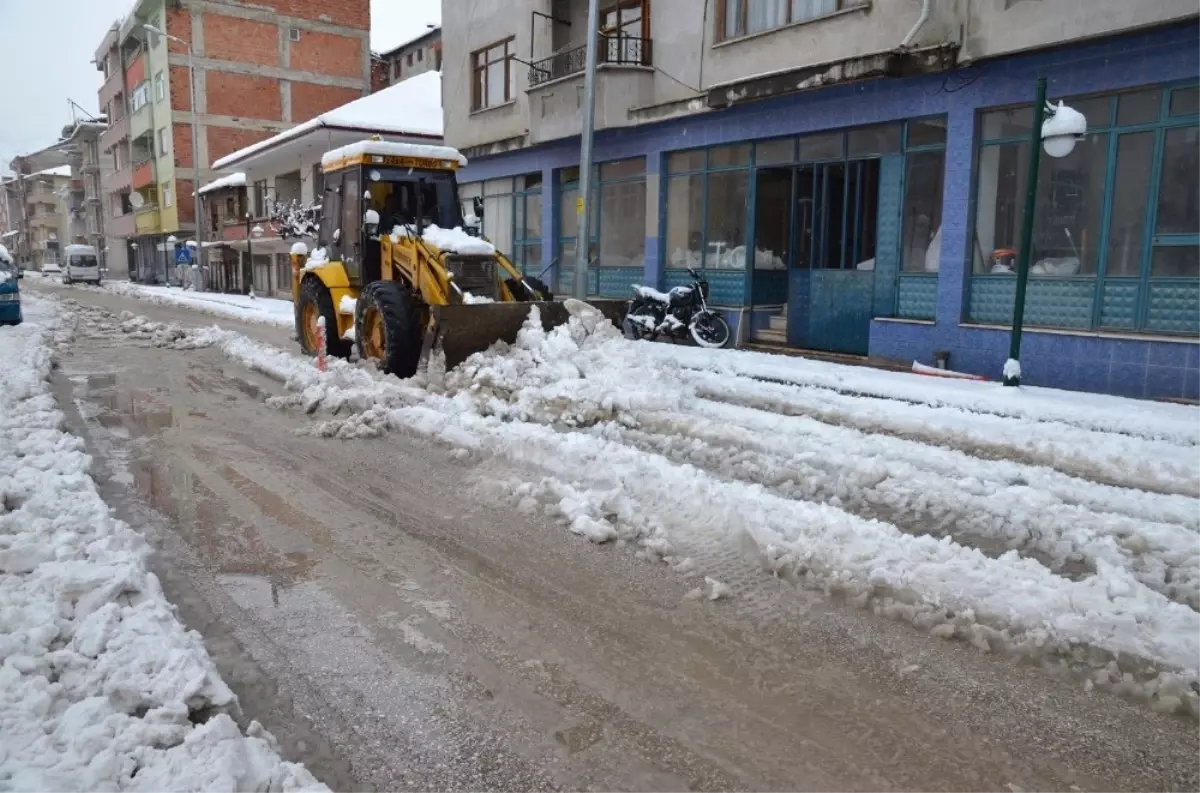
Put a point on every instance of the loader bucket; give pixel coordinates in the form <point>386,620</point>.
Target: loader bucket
<point>463,330</point>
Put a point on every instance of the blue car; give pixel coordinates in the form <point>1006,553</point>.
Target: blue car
<point>10,292</point>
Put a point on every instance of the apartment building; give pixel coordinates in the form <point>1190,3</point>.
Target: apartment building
<point>420,54</point>
<point>80,143</point>
<point>259,68</point>
<point>46,223</point>
<point>285,170</point>
<point>849,174</point>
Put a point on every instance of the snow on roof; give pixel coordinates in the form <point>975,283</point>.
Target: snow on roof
<point>62,170</point>
<point>233,180</point>
<point>390,148</point>
<point>8,234</point>
<point>433,31</point>
<point>410,107</point>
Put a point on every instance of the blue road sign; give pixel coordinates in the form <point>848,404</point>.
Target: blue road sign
<point>183,255</point>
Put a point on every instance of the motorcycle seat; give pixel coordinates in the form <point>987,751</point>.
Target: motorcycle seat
<point>650,293</point>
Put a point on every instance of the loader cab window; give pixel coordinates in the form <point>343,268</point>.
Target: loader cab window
<point>351,230</point>
<point>331,213</point>
<point>398,195</point>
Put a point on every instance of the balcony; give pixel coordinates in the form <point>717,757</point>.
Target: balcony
<point>117,181</point>
<point>118,130</point>
<point>121,225</point>
<point>143,175</point>
<point>623,81</point>
<point>619,50</point>
<point>113,85</point>
<point>147,219</point>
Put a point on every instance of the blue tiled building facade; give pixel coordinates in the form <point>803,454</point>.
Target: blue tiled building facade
<point>882,217</point>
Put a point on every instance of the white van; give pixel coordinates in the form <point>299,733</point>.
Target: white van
<point>81,264</point>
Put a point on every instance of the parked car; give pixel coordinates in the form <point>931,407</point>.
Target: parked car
<point>82,265</point>
<point>10,290</point>
<point>51,268</point>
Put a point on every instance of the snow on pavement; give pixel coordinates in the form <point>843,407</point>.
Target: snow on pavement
<point>101,687</point>
<point>1012,555</point>
<point>261,310</point>
<point>1177,423</point>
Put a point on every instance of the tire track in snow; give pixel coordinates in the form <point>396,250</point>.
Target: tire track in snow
<point>1118,460</point>
<point>992,517</point>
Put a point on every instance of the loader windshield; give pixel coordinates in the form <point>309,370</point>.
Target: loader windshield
<point>402,196</point>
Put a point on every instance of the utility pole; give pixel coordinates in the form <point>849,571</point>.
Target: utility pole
<point>1012,368</point>
<point>583,205</point>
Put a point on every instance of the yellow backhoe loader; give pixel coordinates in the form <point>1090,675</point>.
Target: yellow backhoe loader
<point>395,273</point>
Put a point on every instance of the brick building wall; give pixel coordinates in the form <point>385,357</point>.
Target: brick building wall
<point>261,67</point>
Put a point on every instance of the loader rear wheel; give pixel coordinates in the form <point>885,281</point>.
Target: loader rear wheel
<point>388,327</point>
<point>315,301</point>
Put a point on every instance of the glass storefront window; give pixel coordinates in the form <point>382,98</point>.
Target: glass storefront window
<point>826,146</point>
<point>881,139</point>
<point>728,194</point>
<point>1182,261</point>
<point>922,218</point>
<point>1139,107</point>
<point>773,152</point>
<point>622,224</point>
<point>1178,202</point>
<point>1127,223</point>
<point>685,221</point>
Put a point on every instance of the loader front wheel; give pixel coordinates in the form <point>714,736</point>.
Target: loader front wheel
<point>315,301</point>
<point>388,327</point>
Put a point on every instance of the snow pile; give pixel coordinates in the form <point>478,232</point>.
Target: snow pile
<point>347,305</point>
<point>5,256</point>
<point>101,688</point>
<point>470,299</point>
<point>262,310</point>
<point>577,374</point>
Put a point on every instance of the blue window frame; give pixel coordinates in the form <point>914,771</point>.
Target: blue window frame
<point>721,203</point>
<point>1117,228</point>
<point>618,227</point>
<point>512,218</point>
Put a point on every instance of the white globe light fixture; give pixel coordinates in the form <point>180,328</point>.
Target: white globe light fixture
<point>257,231</point>
<point>1062,129</point>
<point>171,240</point>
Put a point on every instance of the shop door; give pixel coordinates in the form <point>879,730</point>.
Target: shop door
<point>834,263</point>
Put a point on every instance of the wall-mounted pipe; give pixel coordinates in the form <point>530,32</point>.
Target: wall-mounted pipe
<point>921,20</point>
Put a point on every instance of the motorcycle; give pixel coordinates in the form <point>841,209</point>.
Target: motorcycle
<point>679,313</point>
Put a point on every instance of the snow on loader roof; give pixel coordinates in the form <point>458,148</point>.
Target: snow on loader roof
<point>387,148</point>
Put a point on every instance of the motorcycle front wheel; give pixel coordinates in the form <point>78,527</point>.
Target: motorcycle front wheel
<point>709,329</point>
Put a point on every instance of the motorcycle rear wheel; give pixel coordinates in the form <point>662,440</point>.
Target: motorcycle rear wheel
<point>710,330</point>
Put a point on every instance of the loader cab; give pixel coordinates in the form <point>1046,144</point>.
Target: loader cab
<point>400,194</point>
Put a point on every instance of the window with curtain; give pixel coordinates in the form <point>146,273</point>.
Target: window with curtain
<point>498,213</point>
<point>921,248</point>
<point>745,17</point>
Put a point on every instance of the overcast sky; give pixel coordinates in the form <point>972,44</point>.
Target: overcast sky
<point>46,49</point>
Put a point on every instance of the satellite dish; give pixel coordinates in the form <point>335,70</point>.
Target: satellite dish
<point>136,200</point>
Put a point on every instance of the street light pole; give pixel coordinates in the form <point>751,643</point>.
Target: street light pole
<point>195,145</point>
<point>1012,367</point>
<point>583,205</point>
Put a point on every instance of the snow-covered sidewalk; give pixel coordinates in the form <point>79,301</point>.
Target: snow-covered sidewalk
<point>101,687</point>
<point>262,310</point>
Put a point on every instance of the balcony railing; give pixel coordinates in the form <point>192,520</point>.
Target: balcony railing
<point>618,50</point>
<point>143,174</point>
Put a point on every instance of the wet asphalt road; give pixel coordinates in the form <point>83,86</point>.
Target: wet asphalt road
<point>397,629</point>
